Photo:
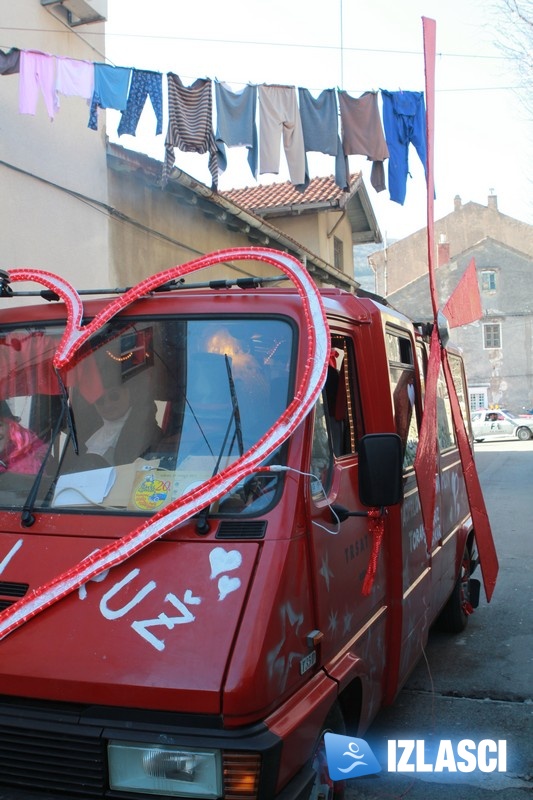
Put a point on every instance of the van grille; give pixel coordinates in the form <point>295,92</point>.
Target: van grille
<point>39,760</point>
<point>10,589</point>
<point>241,529</point>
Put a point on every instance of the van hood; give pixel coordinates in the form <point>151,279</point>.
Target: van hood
<point>155,632</point>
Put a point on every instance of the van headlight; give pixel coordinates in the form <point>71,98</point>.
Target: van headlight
<point>164,769</point>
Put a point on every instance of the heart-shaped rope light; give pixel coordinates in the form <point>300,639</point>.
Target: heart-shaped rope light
<point>316,341</point>
<point>463,307</point>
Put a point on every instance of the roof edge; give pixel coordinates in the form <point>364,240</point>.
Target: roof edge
<point>153,168</point>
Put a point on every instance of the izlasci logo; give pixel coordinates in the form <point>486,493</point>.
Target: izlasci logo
<point>410,755</point>
<point>348,757</point>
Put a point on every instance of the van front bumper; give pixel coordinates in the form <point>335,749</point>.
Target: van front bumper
<point>52,751</point>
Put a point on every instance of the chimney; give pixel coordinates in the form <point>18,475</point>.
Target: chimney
<point>492,201</point>
<point>443,250</point>
<point>457,203</point>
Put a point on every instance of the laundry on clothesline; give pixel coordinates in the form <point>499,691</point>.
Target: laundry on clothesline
<point>209,117</point>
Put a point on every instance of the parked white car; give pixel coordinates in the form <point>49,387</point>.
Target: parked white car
<point>499,424</point>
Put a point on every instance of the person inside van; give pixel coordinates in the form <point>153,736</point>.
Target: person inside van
<point>123,428</point>
<point>20,450</point>
<point>128,426</point>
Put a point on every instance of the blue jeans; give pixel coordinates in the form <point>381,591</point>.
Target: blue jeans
<point>404,122</point>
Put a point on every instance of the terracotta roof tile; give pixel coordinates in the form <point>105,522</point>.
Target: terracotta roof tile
<point>263,197</point>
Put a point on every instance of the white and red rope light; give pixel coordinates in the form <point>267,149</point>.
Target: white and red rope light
<point>317,342</point>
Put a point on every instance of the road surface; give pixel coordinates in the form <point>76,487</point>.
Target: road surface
<point>479,684</point>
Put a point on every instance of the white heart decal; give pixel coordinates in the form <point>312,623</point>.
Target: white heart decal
<point>190,600</point>
<point>223,561</point>
<point>314,355</point>
<point>227,585</point>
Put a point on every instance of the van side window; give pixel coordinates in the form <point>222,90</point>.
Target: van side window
<point>338,425</point>
<point>322,452</point>
<point>459,379</point>
<point>445,432</point>
<point>342,398</point>
<point>404,392</point>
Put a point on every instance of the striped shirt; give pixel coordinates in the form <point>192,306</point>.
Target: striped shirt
<point>190,126</point>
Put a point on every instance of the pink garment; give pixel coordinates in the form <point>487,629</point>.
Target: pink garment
<point>37,71</point>
<point>74,77</point>
<point>22,451</point>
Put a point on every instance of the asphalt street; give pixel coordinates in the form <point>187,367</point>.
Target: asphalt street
<point>479,684</point>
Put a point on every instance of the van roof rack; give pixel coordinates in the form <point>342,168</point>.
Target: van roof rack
<point>251,282</point>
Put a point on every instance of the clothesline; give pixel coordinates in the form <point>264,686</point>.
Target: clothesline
<point>256,117</point>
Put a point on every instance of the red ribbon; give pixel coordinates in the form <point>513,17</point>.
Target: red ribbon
<point>376,526</point>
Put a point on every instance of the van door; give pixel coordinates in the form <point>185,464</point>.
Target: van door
<point>340,552</point>
<point>452,501</point>
<point>415,602</point>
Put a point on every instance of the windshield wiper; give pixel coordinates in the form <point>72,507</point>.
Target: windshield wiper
<point>236,409</point>
<point>27,517</point>
<point>202,526</point>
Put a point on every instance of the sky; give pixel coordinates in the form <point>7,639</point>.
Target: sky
<point>483,136</point>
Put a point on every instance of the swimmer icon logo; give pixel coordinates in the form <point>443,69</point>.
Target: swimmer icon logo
<point>349,757</point>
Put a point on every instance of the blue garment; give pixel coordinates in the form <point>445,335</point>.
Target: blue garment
<point>143,84</point>
<point>111,86</point>
<point>404,121</point>
<point>10,61</point>
<point>236,126</point>
<point>320,123</point>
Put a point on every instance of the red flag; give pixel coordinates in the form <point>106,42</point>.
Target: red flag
<point>463,306</point>
<point>464,303</point>
<point>488,559</point>
<point>425,464</point>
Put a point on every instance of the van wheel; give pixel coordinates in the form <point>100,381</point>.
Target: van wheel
<point>454,616</point>
<point>324,788</point>
<point>524,434</point>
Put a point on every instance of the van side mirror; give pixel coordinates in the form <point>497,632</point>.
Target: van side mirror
<point>380,469</point>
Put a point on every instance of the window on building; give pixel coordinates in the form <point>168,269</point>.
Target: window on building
<point>338,253</point>
<point>478,399</point>
<point>488,280</point>
<point>492,335</point>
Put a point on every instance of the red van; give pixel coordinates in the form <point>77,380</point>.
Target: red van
<point>210,663</point>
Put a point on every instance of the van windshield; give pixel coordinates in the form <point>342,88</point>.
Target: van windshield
<point>148,410</point>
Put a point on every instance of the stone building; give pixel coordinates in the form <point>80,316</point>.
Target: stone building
<point>407,259</point>
<point>498,348</point>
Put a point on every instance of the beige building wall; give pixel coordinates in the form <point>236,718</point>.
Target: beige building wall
<point>51,171</point>
<point>318,232</point>
<point>157,231</point>
<point>303,228</point>
<point>66,210</point>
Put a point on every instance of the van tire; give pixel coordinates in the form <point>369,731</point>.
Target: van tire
<point>324,788</point>
<point>454,616</point>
